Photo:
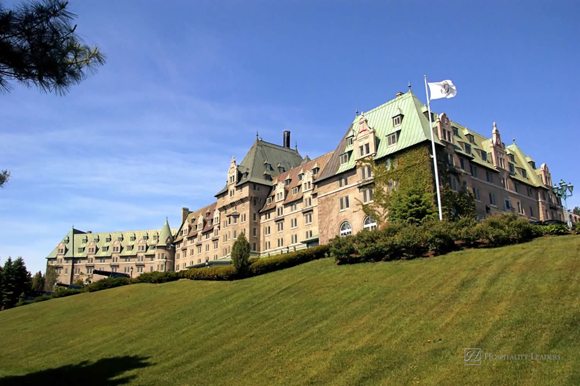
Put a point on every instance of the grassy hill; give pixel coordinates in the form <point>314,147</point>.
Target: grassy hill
<point>398,323</point>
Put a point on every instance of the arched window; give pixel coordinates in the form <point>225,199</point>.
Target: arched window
<point>369,223</point>
<point>345,229</point>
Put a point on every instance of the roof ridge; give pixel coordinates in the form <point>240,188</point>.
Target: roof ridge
<point>399,98</point>
<point>278,146</point>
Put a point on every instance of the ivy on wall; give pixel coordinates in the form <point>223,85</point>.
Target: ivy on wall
<point>404,190</point>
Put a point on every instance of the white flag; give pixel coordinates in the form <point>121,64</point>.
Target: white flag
<point>444,89</point>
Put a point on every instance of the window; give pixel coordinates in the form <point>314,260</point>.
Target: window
<point>367,195</point>
<point>468,148</point>
<point>280,211</point>
<point>520,208</point>
<point>294,207</point>
<point>307,202</point>
<point>269,201</point>
<point>455,131</point>
<point>342,181</point>
<point>344,203</point>
<point>483,156</point>
<point>517,186</point>
<point>294,239</point>
<point>524,173</point>
<point>397,120</point>
<point>307,219</point>
<point>280,242</point>
<point>267,231</point>
<point>503,183</point>
<point>345,229</point>
<point>489,177</point>
<point>470,138</point>
<point>507,204</point>
<point>473,170</point>
<point>492,198</point>
<point>476,194</point>
<point>295,190</point>
<point>307,186</point>
<point>462,163</point>
<point>343,158</point>
<point>266,245</point>
<point>369,223</point>
<point>531,211</point>
<point>349,141</point>
<point>453,183</point>
<point>392,139</point>
<point>293,223</point>
<point>530,192</point>
<point>512,168</point>
<point>308,234</point>
<point>267,215</point>
<point>315,171</point>
<point>366,172</point>
<point>280,226</point>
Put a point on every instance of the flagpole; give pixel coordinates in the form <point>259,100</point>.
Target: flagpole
<point>434,154</point>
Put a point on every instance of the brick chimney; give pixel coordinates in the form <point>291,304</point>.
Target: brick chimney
<point>184,213</point>
<point>286,139</point>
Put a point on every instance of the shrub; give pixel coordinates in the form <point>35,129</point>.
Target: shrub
<point>410,240</point>
<point>556,230</point>
<point>62,292</point>
<point>438,236</point>
<point>343,250</point>
<point>156,277</point>
<point>108,283</point>
<point>210,273</point>
<point>42,298</point>
<point>467,231</point>
<point>240,254</point>
<point>507,229</point>
<point>287,260</point>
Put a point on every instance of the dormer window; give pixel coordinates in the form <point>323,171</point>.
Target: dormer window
<point>295,190</point>
<point>133,237</point>
<point>232,179</point>
<point>81,250</point>
<point>349,141</point>
<point>470,138</point>
<point>468,148</point>
<point>483,155</point>
<point>268,177</point>
<point>512,157</point>
<point>269,201</point>
<point>524,173</point>
<point>397,120</point>
<point>392,139</point>
<point>315,171</point>
<point>145,236</point>
<point>300,176</point>
<point>108,239</point>
<point>455,131</point>
<point>96,239</point>
<point>343,158</point>
<point>155,237</point>
<point>120,238</point>
<point>85,239</point>
<point>287,182</point>
<point>281,169</point>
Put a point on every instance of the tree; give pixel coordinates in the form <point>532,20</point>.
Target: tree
<point>1,289</point>
<point>50,278</point>
<point>39,46</point>
<point>4,175</point>
<point>240,253</point>
<point>576,210</point>
<point>15,281</point>
<point>38,282</point>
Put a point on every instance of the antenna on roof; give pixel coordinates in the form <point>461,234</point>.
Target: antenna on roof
<point>356,112</point>
<point>514,140</point>
<point>296,145</point>
<point>257,134</point>
<point>409,85</point>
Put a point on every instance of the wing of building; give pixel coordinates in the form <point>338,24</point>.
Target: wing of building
<point>283,202</point>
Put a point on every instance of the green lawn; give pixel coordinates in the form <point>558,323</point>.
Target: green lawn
<point>403,322</point>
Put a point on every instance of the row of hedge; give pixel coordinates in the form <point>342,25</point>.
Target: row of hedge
<point>256,267</point>
<point>401,242</point>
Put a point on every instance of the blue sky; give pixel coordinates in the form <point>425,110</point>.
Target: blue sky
<point>188,83</point>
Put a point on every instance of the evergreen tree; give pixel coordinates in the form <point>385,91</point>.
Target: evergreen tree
<point>576,210</point>
<point>15,281</point>
<point>240,253</point>
<point>1,288</point>
<point>50,278</point>
<point>38,282</point>
<point>39,46</point>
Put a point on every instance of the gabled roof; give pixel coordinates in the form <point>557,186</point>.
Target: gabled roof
<point>83,240</point>
<point>414,129</point>
<point>253,166</point>
<point>292,174</point>
<point>192,219</point>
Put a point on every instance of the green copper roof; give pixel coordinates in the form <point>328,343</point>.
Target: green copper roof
<point>414,129</point>
<point>103,240</point>
<point>253,166</point>
<point>165,237</point>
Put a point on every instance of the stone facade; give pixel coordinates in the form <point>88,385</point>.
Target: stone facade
<point>283,202</point>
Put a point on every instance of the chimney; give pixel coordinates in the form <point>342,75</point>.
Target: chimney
<point>399,94</point>
<point>286,139</point>
<point>184,213</point>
